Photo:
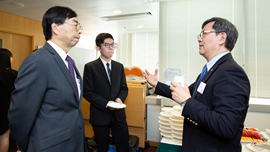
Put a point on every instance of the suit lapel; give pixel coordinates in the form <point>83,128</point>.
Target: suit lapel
<point>114,72</point>
<point>216,65</point>
<point>62,66</point>
<point>103,70</point>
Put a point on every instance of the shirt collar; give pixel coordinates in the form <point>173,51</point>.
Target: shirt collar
<point>60,51</point>
<point>214,60</point>
<point>104,62</point>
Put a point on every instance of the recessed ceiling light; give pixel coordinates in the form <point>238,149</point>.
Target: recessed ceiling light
<point>117,11</point>
<point>17,4</point>
<point>139,26</point>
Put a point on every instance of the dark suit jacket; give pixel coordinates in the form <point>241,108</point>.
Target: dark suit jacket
<point>98,91</point>
<point>214,120</point>
<point>45,112</point>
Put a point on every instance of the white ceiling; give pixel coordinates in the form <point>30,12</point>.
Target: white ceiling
<point>90,13</point>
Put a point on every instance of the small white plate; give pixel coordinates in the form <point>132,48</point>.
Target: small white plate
<point>166,135</point>
<point>177,123</point>
<point>176,119</point>
<point>177,141</point>
<point>268,130</point>
<point>255,148</point>
<point>168,128</point>
<point>164,123</point>
<point>164,119</point>
<point>177,114</point>
<point>179,133</point>
<point>178,108</point>
<point>176,136</point>
<point>176,128</point>
<point>167,109</point>
<point>165,131</point>
<point>116,105</point>
<point>165,128</point>
<point>164,114</point>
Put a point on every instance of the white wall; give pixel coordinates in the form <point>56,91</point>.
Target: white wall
<point>140,49</point>
<point>257,46</point>
<point>124,49</point>
<point>83,52</point>
<point>180,23</point>
<point>258,120</point>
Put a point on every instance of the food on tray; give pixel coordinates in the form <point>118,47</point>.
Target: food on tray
<point>252,135</point>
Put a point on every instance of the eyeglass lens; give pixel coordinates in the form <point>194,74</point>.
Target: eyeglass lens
<point>108,44</point>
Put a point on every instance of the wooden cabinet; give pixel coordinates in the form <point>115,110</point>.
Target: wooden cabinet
<point>135,111</point>
<point>86,113</point>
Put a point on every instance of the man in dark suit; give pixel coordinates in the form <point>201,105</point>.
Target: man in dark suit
<point>215,106</point>
<point>104,81</point>
<point>45,110</point>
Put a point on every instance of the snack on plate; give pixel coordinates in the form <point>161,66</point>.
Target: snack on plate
<point>249,139</point>
<point>252,135</point>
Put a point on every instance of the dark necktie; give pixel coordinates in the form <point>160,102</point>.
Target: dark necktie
<point>71,71</point>
<point>204,71</point>
<point>109,71</point>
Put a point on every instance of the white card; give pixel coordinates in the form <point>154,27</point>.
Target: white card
<point>201,87</point>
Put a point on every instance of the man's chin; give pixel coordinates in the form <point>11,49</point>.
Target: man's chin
<point>75,43</point>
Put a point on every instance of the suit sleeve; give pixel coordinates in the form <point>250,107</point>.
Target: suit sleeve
<point>229,103</point>
<point>26,99</point>
<point>89,89</point>
<point>123,86</point>
<point>163,90</point>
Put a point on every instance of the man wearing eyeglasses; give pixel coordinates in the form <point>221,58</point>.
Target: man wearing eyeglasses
<point>45,110</point>
<point>104,82</point>
<point>215,105</point>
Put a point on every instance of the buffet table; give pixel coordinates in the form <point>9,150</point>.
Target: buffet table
<point>169,145</point>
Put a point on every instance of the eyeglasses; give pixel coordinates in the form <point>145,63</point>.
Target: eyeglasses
<point>108,44</point>
<point>78,26</point>
<point>206,32</point>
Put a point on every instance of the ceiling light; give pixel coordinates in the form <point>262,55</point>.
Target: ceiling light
<point>139,26</point>
<point>126,16</point>
<point>117,11</point>
<point>17,4</point>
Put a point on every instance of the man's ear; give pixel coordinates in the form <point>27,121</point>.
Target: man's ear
<point>55,28</point>
<point>98,48</point>
<point>223,37</point>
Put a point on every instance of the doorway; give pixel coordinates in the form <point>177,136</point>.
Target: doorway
<point>19,45</point>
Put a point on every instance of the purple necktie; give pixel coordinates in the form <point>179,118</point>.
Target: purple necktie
<point>71,71</point>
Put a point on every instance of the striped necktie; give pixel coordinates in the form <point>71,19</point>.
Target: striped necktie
<point>109,71</point>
